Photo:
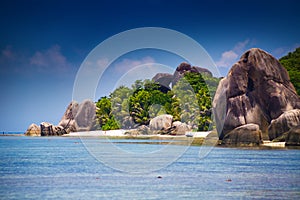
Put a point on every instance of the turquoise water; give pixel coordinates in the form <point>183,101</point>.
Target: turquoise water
<point>61,168</point>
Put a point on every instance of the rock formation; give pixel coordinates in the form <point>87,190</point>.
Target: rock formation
<point>184,67</point>
<point>179,128</point>
<point>67,121</point>
<point>165,79</point>
<point>284,123</point>
<point>33,130</point>
<point>48,129</point>
<point>161,123</point>
<point>292,137</point>
<point>256,90</point>
<point>79,117</point>
<point>245,135</point>
<point>85,116</point>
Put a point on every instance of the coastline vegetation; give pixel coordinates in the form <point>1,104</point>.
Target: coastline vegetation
<point>188,101</point>
<point>292,64</point>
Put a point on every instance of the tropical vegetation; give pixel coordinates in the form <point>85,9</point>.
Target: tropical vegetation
<point>188,101</point>
<point>292,63</point>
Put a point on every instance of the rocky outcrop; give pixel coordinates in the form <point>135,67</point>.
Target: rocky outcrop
<point>293,136</point>
<point>85,116</point>
<point>161,123</point>
<point>256,90</point>
<point>67,121</point>
<point>245,135</point>
<point>284,123</point>
<point>166,80</point>
<point>48,129</point>
<point>33,130</point>
<point>79,117</point>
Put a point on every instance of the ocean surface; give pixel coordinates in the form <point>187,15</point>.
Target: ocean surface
<point>63,168</point>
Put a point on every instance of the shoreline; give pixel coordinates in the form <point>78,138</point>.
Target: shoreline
<point>197,138</point>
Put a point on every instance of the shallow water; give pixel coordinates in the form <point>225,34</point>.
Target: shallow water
<point>62,168</point>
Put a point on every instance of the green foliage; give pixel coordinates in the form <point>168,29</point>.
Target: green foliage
<point>148,101</point>
<point>189,101</point>
<point>292,63</point>
<point>195,100</point>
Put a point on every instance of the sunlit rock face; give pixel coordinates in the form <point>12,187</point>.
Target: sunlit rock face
<point>256,90</point>
<point>79,117</point>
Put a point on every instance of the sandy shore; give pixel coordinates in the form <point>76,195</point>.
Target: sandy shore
<point>121,133</point>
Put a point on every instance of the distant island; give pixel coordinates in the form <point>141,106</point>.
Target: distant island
<point>257,101</point>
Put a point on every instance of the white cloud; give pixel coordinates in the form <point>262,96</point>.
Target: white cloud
<point>282,51</point>
<point>229,57</point>
<point>50,60</point>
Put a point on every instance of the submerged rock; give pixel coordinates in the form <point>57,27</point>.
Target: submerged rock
<point>256,90</point>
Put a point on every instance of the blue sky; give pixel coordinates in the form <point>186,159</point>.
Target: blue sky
<point>43,43</point>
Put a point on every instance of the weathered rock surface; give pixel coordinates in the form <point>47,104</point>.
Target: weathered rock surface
<point>164,79</point>
<point>256,90</point>
<point>245,135</point>
<point>85,116</point>
<point>67,121</point>
<point>161,122</point>
<point>33,130</point>
<point>284,123</point>
<point>293,137</point>
<point>79,117</point>
<point>179,128</point>
<point>48,129</point>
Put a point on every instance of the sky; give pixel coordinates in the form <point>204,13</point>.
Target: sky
<point>43,43</point>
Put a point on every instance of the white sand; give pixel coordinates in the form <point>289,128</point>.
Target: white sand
<point>96,133</point>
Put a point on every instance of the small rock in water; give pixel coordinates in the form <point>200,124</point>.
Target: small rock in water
<point>159,177</point>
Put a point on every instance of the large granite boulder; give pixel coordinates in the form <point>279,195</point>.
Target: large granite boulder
<point>256,90</point>
<point>79,117</point>
<point>85,116</point>
<point>245,135</point>
<point>33,130</point>
<point>180,128</point>
<point>48,129</point>
<point>67,121</point>
<point>284,123</point>
<point>161,122</point>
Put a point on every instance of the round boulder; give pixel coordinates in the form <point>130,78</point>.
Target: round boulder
<point>33,130</point>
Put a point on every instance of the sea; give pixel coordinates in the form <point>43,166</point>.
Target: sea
<point>67,168</point>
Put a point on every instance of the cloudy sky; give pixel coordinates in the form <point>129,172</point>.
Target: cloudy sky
<point>44,42</point>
